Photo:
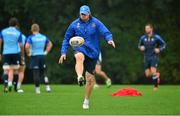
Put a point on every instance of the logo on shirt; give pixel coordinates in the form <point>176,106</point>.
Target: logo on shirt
<point>93,25</point>
<point>11,33</point>
<point>145,39</point>
<point>78,25</point>
<point>40,39</point>
<point>152,39</point>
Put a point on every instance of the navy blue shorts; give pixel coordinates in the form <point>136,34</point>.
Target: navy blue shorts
<point>11,59</point>
<point>89,64</point>
<point>37,62</point>
<point>151,62</point>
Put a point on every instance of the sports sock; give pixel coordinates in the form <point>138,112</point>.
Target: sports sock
<point>155,80</point>
<point>15,81</point>
<point>5,78</point>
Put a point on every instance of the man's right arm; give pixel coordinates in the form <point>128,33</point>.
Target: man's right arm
<point>27,46</point>
<point>65,44</point>
<point>141,44</point>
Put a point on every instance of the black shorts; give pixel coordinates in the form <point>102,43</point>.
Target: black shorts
<point>11,60</point>
<point>89,64</point>
<point>37,62</point>
<point>151,62</point>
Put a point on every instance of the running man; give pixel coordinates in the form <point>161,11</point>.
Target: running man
<point>151,45</point>
<point>90,28</point>
<point>13,52</point>
<point>19,74</point>
<point>101,73</point>
<point>35,45</point>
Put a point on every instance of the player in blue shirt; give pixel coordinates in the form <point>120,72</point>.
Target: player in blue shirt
<point>91,29</point>
<point>38,46</point>
<point>101,73</point>
<point>19,75</point>
<point>13,51</point>
<point>151,45</point>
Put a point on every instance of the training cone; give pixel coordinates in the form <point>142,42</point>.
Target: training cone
<point>127,92</point>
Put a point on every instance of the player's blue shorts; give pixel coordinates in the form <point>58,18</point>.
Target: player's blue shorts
<point>89,64</point>
<point>151,62</point>
<point>11,60</point>
<point>37,62</point>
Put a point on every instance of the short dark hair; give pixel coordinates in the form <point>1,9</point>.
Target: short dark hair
<point>13,21</point>
<point>149,24</point>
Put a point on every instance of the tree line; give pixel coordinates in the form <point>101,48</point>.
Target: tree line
<point>124,18</point>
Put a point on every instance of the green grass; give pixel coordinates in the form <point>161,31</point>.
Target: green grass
<point>67,99</point>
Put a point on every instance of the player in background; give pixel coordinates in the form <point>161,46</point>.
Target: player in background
<point>19,74</point>
<point>151,45</point>
<point>101,73</point>
<point>13,52</point>
<point>37,47</point>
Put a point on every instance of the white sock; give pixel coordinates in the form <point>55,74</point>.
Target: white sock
<point>9,83</point>
<point>47,86</point>
<point>86,101</point>
<point>46,79</point>
<point>19,85</point>
<point>79,76</point>
<point>37,88</point>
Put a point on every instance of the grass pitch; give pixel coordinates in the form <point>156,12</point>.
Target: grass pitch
<point>67,100</point>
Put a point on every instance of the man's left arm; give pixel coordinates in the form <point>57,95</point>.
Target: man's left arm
<point>28,46</point>
<point>161,43</point>
<point>48,46</point>
<point>105,33</point>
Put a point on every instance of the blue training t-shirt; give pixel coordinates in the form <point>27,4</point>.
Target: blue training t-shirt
<point>38,43</point>
<point>11,38</point>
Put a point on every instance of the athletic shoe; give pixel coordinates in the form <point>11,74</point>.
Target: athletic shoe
<point>85,105</point>
<point>38,90</point>
<point>48,89</point>
<point>108,83</point>
<point>95,86</point>
<point>5,89</point>
<point>20,91</point>
<point>81,81</point>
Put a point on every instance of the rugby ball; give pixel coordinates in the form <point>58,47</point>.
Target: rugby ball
<point>76,41</point>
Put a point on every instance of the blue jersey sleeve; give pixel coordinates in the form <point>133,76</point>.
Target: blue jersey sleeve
<point>104,31</point>
<point>161,43</point>
<point>26,40</point>
<point>23,39</point>
<point>140,43</point>
<point>65,44</point>
<point>1,37</point>
<point>20,38</point>
<point>47,40</point>
<point>29,40</point>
